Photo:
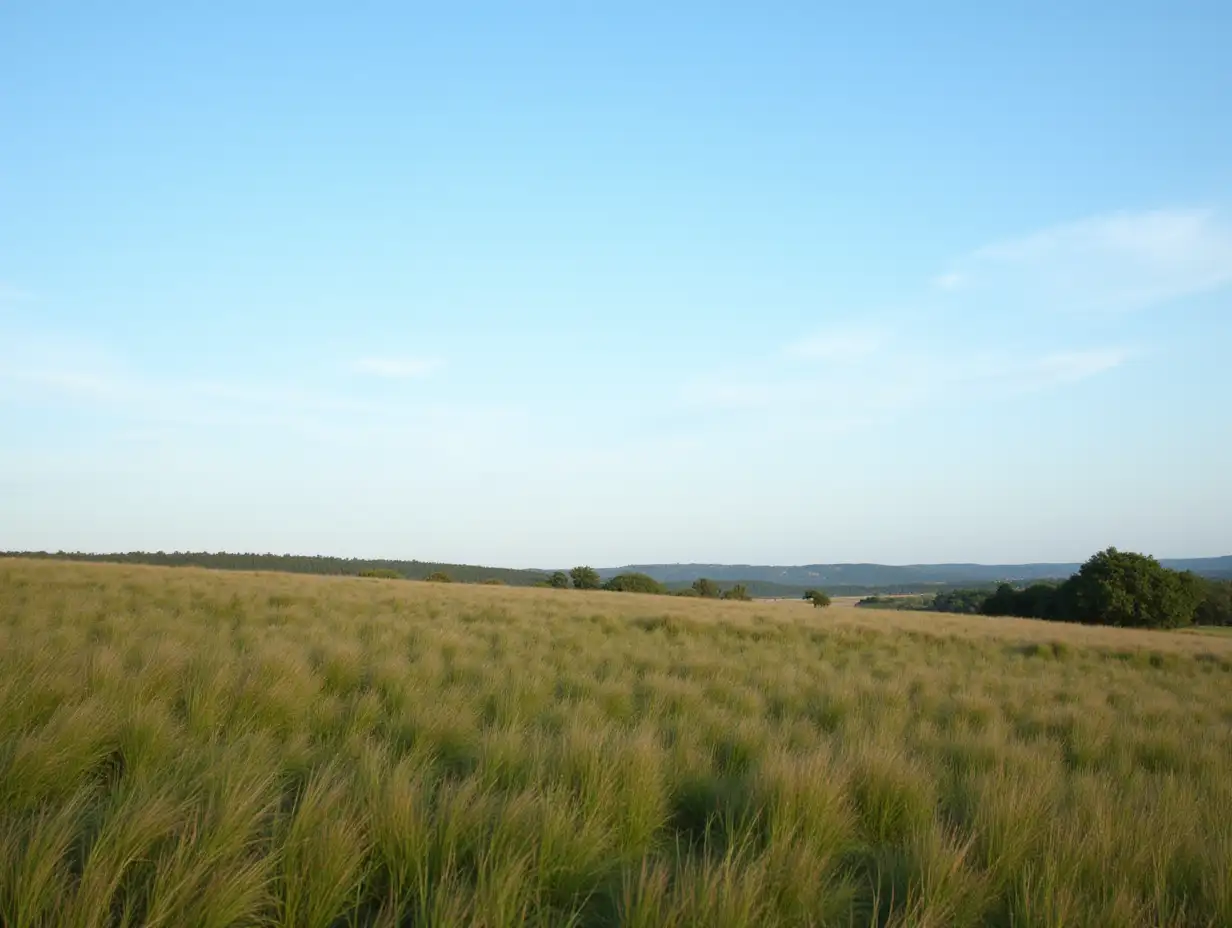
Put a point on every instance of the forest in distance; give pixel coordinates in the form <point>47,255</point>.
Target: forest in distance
<point>1132,589</point>
<point>1112,588</point>
<point>671,577</point>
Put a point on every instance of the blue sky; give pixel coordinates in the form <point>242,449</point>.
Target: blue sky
<point>541,284</point>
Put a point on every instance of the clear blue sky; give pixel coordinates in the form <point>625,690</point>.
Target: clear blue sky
<point>534,284</point>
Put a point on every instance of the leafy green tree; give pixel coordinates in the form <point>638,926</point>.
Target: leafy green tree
<point>634,583</point>
<point>559,580</point>
<point>739,591</point>
<point>1216,605</point>
<point>585,578</point>
<point>438,576</point>
<point>967,602</point>
<point>707,588</point>
<point>1002,602</point>
<point>1134,590</point>
<point>819,598</point>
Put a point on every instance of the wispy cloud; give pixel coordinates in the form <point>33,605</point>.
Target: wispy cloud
<point>1120,261</point>
<point>398,368</point>
<point>183,412</point>
<point>1071,366</point>
<point>904,382</point>
<point>843,344</point>
<point>713,393</point>
<point>79,385</point>
<point>13,294</point>
<point>1042,372</point>
<point>924,359</point>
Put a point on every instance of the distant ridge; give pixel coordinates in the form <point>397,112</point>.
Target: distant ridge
<point>761,580</point>
<point>296,564</point>
<point>887,575</point>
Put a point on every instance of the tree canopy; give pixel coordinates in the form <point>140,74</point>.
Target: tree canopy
<point>1112,588</point>
<point>1216,605</point>
<point>634,583</point>
<point>585,578</point>
<point>1134,590</point>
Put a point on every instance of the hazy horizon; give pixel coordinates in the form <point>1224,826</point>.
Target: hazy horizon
<point>623,564</point>
<point>767,286</point>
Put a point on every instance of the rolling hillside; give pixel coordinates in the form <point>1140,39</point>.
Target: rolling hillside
<point>883,575</point>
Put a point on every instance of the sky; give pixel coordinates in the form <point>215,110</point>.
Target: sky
<point>541,284</point>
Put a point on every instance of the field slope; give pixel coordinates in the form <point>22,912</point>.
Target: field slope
<point>181,747</point>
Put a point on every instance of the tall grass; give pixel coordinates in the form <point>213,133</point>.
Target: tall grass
<point>185,748</point>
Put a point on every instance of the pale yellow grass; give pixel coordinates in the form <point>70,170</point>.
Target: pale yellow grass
<point>182,747</point>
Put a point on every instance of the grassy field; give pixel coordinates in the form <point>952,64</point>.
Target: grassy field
<point>180,747</point>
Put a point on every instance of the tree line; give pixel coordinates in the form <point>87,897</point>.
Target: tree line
<point>587,578</point>
<point>1112,588</point>
<point>303,564</point>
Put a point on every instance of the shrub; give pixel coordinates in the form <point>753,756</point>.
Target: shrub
<point>739,591</point>
<point>819,598</point>
<point>382,573</point>
<point>438,576</point>
<point>634,583</point>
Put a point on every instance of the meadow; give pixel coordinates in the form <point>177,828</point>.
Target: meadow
<point>189,748</point>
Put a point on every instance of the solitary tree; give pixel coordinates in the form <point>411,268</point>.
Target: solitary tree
<point>707,588</point>
<point>559,580</point>
<point>585,578</point>
<point>634,583</point>
<point>819,598</point>
<point>1123,588</point>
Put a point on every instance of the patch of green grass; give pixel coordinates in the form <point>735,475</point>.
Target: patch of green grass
<point>186,748</point>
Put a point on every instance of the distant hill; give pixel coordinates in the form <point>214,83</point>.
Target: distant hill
<point>761,589</point>
<point>761,581</point>
<point>907,577</point>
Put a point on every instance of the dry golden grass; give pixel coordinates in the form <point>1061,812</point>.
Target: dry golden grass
<point>179,747</point>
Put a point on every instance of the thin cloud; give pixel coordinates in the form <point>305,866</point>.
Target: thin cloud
<point>903,382</point>
<point>1071,366</point>
<point>399,368</point>
<point>716,394</point>
<point>1048,371</point>
<point>1121,261</point>
<point>838,345</point>
<point>12,294</point>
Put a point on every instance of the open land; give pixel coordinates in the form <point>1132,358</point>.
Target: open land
<point>185,747</point>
